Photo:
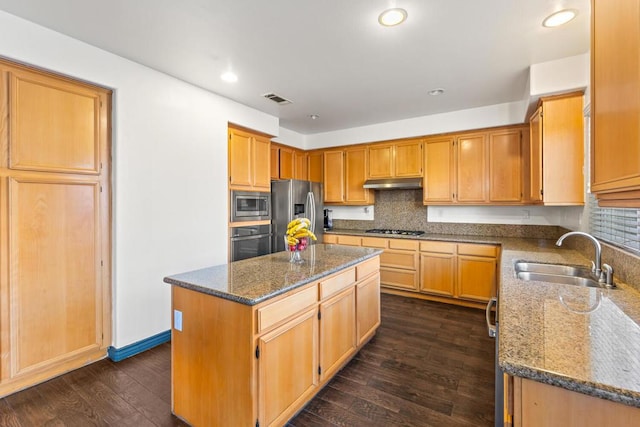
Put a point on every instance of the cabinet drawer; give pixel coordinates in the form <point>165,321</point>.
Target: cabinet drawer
<point>337,283</point>
<point>442,247</point>
<point>330,238</point>
<point>399,259</point>
<point>403,279</point>
<point>477,250</point>
<point>374,242</point>
<point>366,268</point>
<point>278,311</point>
<point>349,240</point>
<point>410,245</point>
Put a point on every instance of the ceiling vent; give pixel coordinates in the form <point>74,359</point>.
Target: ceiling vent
<point>277,99</point>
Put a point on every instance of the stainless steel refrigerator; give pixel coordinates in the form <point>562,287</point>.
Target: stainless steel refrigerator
<point>295,199</point>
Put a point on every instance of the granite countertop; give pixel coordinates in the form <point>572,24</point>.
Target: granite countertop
<point>254,280</point>
<point>582,339</point>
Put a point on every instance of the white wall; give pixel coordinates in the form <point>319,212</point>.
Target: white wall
<point>169,170</point>
<point>474,118</point>
<point>569,217</point>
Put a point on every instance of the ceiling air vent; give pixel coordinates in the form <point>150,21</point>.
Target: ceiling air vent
<point>277,98</point>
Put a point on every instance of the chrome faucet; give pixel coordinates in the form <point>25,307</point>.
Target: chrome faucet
<point>604,273</point>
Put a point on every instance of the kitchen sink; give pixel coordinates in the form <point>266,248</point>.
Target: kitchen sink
<point>557,273</point>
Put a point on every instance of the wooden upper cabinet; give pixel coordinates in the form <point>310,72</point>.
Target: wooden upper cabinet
<point>275,162</point>
<point>333,166</point>
<point>300,166</point>
<point>287,166</point>
<point>408,159</point>
<point>315,161</point>
<point>471,180</point>
<point>240,159</point>
<point>55,125</point>
<point>345,172</point>
<point>249,161</point>
<point>557,138</point>
<point>355,176</point>
<point>380,161</point>
<point>505,166</point>
<point>261,157</point>
<point>439,177</point>
<point>535,156</point>
<point>483,167</point>
<point>398,159</point>
<point>615,102</point>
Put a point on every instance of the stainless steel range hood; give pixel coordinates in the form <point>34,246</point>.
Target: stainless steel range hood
<point>394,184</point>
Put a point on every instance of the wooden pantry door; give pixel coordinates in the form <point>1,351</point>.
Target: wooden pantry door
<point>55,305</point>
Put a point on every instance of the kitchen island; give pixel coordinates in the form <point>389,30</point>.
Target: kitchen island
<point>254,340</point>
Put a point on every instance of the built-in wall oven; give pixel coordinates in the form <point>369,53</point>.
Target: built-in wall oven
<point>250,206</point>
<point>250,241</point>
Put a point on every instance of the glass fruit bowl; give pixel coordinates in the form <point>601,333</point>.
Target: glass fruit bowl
<point>296,249</point>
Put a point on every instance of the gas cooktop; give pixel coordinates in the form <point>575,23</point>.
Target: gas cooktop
<point>400,232</point>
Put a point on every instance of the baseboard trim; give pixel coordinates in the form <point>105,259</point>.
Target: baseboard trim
<point>118,354</point>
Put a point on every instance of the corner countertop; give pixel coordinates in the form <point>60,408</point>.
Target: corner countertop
<point>255,280</point>
<point>582,339</point>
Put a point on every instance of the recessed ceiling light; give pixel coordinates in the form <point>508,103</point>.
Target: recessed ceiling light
<point>391,17</point>
<point>229,77</point>
<point>559,18</point>
<point>436,92</point>
<point>314,116</point>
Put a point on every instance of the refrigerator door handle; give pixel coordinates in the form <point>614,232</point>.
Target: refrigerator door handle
<point>312,210</point>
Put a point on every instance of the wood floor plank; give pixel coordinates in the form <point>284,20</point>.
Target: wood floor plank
<point>7,415</point>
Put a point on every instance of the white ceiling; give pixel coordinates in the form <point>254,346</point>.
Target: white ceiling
<point>330,57</point>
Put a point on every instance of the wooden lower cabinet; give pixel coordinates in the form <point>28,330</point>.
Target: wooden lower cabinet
<point>438,273</point>
<point>337,331</point>
<point>240,365</point>
<point>459,273</point>
<point>287,368</point>
<point>538,404</point>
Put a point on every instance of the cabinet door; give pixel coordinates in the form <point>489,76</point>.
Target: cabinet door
<point>355,175</point>
<point>261,169</point>
<point>286,163</point>
<point>54,270</point>
<point>54,124</point>
<point>476,277</point>
<point>535,123</point>
<point>334,176</point>
<point>337,331</point>
<point>408,159</point>
<point>439,171</point>
<point>240,158</point>
<point>315,166</point>
<point>615,95</point>
<point>505,166</point>
<point>300,165</point>
<point>437,273</point>
<point>287,368</point>
<point>275,162</point>
<point>367,308</point>
<point>472,169</point>
<point>563,151</point>
<point>380,161</point>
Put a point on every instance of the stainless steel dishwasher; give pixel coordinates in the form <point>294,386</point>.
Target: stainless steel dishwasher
<point>492,329</point>
<point>250,241</point>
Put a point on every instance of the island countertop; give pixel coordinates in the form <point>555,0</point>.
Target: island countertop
<point>255,280</point>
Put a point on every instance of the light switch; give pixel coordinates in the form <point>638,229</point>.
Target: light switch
<point>177,320</point>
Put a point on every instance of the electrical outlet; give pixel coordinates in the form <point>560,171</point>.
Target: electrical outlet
<point>177,320</point>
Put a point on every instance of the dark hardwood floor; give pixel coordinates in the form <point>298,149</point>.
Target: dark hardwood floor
<point>430,364</point>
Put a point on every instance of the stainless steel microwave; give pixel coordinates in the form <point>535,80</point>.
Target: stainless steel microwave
<point>250,206</point>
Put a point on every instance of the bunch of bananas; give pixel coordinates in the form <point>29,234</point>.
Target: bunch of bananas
<point>297,234</point>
